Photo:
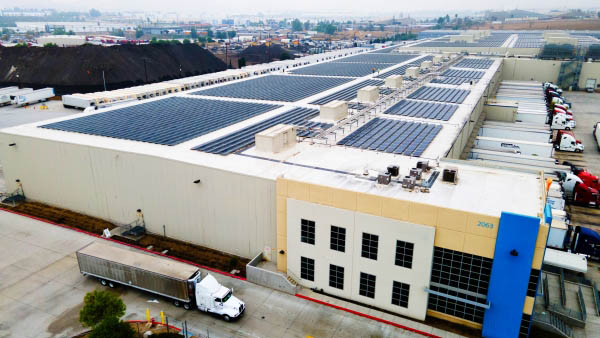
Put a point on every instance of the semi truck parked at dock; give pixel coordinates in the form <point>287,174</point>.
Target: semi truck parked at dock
<point>35,96</point>
<point>185,285</point>
<point>7,98</point>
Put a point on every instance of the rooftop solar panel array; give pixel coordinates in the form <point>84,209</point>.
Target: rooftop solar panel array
<point>475,63</point>
<point>244,138</point>
<point>168,121</point>
<point>383,50</point>
<point>470,74</point>
<point>347,94</point>
<point>423,109</point>
<point>393,136</point>
<point>340,69</point>
<point>310,128</point>
<point>449,95</point>
<point>275,88</point>
<point>493,40</point>
<point>379,58</point>
<point>402,69</point>
<point>529,40</point>
<point>451,80</point>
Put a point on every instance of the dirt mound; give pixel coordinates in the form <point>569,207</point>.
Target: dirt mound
<point>79,69</point>
<point>262,53</point>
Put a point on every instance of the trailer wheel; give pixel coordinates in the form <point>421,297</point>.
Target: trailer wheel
<point>567,128</point>
<point>111,285</point>
<point>176,303</point>
<point>226,318</point>
<point>187,306</point>
<point>103,282</point>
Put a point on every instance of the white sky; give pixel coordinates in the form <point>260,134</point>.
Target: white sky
<point>356,7</point>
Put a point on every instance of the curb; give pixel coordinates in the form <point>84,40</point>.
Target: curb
<point>423,333</point>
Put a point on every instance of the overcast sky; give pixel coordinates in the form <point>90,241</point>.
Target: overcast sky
<point>357,7</point>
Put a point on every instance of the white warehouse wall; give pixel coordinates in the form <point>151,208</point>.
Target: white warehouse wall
<point>227,211</point>
<point>384,268</point>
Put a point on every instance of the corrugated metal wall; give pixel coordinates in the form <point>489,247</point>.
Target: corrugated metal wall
<point>226,211</point>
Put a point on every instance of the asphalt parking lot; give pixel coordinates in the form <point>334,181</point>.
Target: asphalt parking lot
<point>41,293</point>
<point>586,110</point>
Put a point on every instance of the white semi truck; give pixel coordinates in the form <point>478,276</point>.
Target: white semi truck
<point>184,284</point>
<point>6,98</point>
<point>35,96</point>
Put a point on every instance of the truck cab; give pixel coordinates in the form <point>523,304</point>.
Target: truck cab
<point>214,298</point>
<point>579,192</point>
<point>562,122</point>
<point>565,141</point>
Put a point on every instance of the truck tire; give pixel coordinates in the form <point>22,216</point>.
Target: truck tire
<point>176,303</point>
<point>567,128</point>
<point>111,285</point>
<point>187,306</point>
<point>103,282</point>
<point>226,318</point>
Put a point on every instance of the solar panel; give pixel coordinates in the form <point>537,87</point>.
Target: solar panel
<point>244,138</point>
<point>471,74</point>
<point>340,69</point>
<point>383,50</point>
<point>169,121</point>
<point>347,94</point>
<point>379,58</point>
<point>402,69</point>
<point>393,136</point>
<point>475,63</point>
<point>449,95</point>
<point>451,80</point>
<point>423,109</point>
<point>275,87</point>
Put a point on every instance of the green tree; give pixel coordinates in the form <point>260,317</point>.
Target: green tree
<point>50,44</point>
<point>221,35</point>
<point>194,33</point>
<point>381,28</point>
<point>94,13</point>
<point>307,25</point>
<point>285,56</point>
<point>186,41</point>
<point>210,33</point>
<point>118,32</point>
<point>98,305</point>
<point>296,25</point>
<point>112,327</point>
<point>59,31</point>
<point>241,62</point>
<point>139,33</point>
<point>153,40</point>
<point>231,34</point>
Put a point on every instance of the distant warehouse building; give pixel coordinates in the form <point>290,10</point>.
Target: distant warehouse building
<point>368,204</point>
<point>62,40</point>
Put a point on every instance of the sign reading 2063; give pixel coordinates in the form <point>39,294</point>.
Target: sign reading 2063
<point>485,225</point>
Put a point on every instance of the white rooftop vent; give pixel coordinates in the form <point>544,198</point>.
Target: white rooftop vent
<point>412,72</point>
<point>437,59</point>
<point>426,64</point>
<point>393,81</point>
<point>276,139</point>
<point>368,94</point>
<point>334,111</point>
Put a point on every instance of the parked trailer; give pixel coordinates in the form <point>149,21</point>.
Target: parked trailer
<point>184,284</point>
<point>8,97</point>
<point>515,146</point>
<point>596,133</point>
<point>80,101</point>
<point>547,163</point>
<point>531,116</point>
<point>7,90</point>
<point>516,134</point>
<point>35,96</point>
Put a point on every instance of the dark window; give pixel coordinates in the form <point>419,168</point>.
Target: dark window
<point>400,293</point>
<point>338,238</point>
<point>369,245</point>
<point>307,231</point>
<point>336,276</point>
<point>404,254</point>
<point>367,285</point>
<point>307,268</point>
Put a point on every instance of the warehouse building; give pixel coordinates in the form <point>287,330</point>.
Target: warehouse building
<point>342,173</point>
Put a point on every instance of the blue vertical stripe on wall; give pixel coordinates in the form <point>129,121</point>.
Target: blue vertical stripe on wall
<point>515,246</point>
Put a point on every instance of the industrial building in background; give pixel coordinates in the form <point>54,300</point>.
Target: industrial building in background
<point>346,171</point>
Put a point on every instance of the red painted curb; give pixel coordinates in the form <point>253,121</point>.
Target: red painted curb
<point>123,243</point>
<point>423,333</point>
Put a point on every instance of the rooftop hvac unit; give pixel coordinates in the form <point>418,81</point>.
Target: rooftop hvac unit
<point>394,81</point>
<point>426,64</point>
<point>437,59</point>
<point>334,111</point>
<point>416,173</point>
<point>409,182</point>
<point>384,179</point>
<point>450,175</point>
<point>394,170</point>
<point>412,72</point>
<point>276,139</point>
<point>423,165</point>
<point>368,94</point>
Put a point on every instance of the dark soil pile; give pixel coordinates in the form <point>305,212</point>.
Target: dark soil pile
<point>79,69</point>
<point>262,53</point>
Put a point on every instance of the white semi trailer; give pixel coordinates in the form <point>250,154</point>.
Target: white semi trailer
<point>182,283</point>
<point>8,97</point>
<point>516,134</point>
<point>35,96</point>
<point>514,146</point>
